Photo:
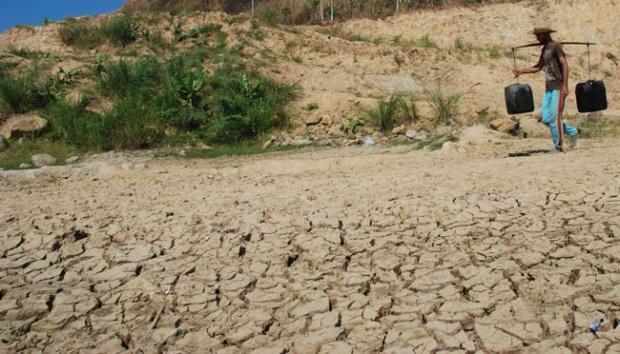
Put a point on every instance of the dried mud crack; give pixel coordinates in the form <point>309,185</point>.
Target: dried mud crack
<point>345,251</point>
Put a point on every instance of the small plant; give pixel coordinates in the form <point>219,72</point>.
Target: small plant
<point>298,59</point>
<point>445,107</point>
<point>312,106</point>
<point>17,92</point>
<point>409,108</point>
<point>385,115</point>
<point>119,79</point>
<point>495,53</point>
<point>358,38</point>
<point>81,35</point>
<point>426,42</point>
<point>352,125</point>
<point>120,31</point>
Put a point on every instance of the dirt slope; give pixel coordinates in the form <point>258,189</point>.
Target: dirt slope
<point>351,64</point>
<point>324,251</point>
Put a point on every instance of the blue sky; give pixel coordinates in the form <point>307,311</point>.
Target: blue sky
<point>32,12</point>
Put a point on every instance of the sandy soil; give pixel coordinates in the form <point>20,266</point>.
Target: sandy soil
<point>333,251</point>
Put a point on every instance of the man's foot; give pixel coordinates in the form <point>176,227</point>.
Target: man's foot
<point>557,149</point>
<point>573,141</point>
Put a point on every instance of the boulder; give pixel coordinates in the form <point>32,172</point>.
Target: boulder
<point>313,120</point>
<point>503,125</point>
<point>20,125</point>
<point>25,166</point>
<point>41,160</point>
<point>72,159</point>
<point>399,130</point>
<point>411,134</point>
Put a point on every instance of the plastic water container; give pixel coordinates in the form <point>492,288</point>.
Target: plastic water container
<point>519,99</point>
<point>591,96</point>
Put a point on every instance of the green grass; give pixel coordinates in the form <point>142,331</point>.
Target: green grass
<point>385,115</point>
<point>433,143</point>
<point>445,106</point>
<point>121,78</point>
<point>17,92</point>
<point>120,31</point>
<point>596,127</point>
<point>426,42</point>
<point>17,153</point>
<point>80,35</point>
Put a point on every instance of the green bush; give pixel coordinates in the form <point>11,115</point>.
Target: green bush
<point>409,108</point>
<point>445,106</point>
<point>75,126</point>
<point>80,35</point>
<point>385,115</point>
<point>120,31</point>
<point>130,125</point>
<point>121,78</point>
<point>18,93</point>
<point>244,108</point>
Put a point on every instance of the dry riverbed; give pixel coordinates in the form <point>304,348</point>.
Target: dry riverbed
<point>332,251</point>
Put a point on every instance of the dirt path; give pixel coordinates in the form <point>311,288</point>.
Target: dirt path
<point>333,251</point>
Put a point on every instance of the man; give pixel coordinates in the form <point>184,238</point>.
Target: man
<point>553,62</point>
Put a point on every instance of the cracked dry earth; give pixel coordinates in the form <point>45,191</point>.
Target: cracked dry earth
<point>329,251</point>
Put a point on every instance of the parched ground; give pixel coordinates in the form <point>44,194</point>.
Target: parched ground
<point>332,251</point>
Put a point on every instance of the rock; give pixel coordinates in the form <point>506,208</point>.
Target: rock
<point>72,159</point>
<point>327,120</point>
<point>503,125</point>
<point>450,147</point>
<point>17,126</point>
<point>533,128</point>
<point>399,130</point>
<point>313,120</point>
<point>267,144</point>
<point>301,142</point>
<point>40,160</point>
<point>25,166</point>
<point>421,136</point>
<point>3,144</point>
<point>411,134</point>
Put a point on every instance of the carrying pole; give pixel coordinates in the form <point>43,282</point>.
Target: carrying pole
<point>514,59</point>
<point>589,66</point>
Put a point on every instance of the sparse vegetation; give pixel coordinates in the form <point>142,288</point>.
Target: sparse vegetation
<point>18,92</point>
<point>312,106</point>
<point>445,106</point>
<point>385,115</point>
<point>20,153</point>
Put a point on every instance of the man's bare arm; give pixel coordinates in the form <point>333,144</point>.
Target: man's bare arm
<point>532,70</point>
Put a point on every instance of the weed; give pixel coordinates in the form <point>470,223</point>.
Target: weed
<point>495,53</point>
<point>119,79</point>
<point>426,42</point>
<point>312,106</point>
<point>243,107</point>
<point>19,153</point>
<point>120,31</point>
<point>385,115</point>
<point>81,35</point>
<point>298,59</point>
<point>18,92</point>
<point>409,108</point>
<point>351,126</point>
<point>445,106</point>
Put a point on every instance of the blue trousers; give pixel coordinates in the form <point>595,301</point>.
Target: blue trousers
<point>552,110</point>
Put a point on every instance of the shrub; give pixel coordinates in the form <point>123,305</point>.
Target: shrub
<point>385,115</point>
<point>18,92</point>
<point>130,125</point>
<point>244,108</point>
<point>120,31</point>
<point>76,126</point>
<point>409,108</point>
<point>121,78</point>
<point>426,42</point>
<point>445,107</point>
<point>80,35</point>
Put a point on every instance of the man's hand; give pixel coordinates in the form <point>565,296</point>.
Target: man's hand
<point>516,72</point>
